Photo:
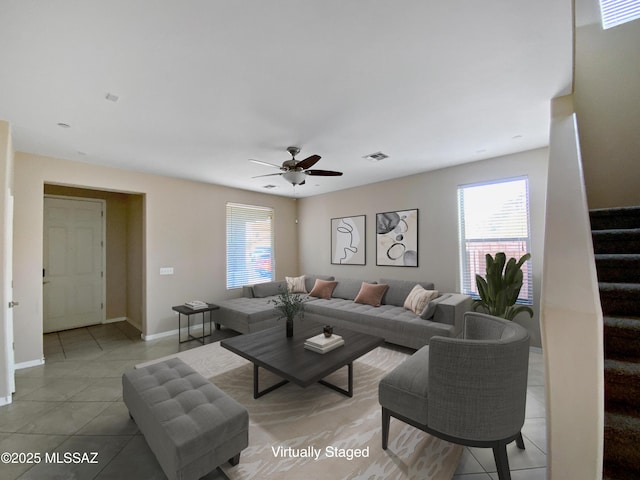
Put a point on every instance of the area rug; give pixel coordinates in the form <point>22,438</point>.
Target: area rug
<point>316,433</point>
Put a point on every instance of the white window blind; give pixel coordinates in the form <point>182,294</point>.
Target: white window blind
<point>617,12</point>
<point>493,217</point>
<point>249,245</point>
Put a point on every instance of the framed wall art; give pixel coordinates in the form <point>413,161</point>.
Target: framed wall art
<point>397,238</point>
<point>348,245</point>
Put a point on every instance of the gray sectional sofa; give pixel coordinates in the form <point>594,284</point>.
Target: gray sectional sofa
<point>254,311</point>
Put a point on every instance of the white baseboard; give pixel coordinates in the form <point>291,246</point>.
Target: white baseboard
<point>114,320</point>
<point>156,336</point>
<point>29,364</point>
<point>5,400</point>
<point>183,332</point>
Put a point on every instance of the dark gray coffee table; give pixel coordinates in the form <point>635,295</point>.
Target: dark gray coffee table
<point>287,357</point>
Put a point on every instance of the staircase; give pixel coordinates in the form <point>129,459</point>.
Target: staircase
<point>616,242</point>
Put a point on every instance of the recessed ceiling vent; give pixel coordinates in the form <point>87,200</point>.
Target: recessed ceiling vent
<point>376,157</point>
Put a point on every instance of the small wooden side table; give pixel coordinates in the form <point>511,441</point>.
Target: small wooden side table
<point>184,310</point>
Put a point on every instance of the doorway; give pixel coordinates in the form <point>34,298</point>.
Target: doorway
<point>73,270</point>
<point>124,250</point>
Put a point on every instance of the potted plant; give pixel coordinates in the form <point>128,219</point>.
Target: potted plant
<point>290,305</point>
<point>499,291</point>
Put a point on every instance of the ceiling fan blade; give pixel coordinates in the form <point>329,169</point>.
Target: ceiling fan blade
<point>266,164</point>
<point>267,175</point>
<point>323,173</point>
<point>308,162</point>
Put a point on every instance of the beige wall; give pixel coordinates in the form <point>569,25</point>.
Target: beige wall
<point>607,102</point>
<point>571,313</point>
<point>184,228</point>
<point>435,195</point>
<point>135,261</point>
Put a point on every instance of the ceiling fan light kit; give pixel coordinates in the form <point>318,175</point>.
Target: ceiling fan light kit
<point>294,171</point>
<point>294,178</point>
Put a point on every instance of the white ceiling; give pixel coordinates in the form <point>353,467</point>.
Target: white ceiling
<point>205,85</point>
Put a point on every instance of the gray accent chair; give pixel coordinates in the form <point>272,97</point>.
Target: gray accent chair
<point>469,390</point>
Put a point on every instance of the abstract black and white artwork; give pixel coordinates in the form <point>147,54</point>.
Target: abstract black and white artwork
<point>397,238</point>
<point>348,240</point>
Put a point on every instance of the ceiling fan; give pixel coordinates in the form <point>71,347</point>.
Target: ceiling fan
<point>295,171</point>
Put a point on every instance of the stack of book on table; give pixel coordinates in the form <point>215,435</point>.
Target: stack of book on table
<point>196,304</point>
<point>322,344</point>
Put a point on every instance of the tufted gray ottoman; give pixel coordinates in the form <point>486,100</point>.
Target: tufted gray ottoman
<point>190,424</point>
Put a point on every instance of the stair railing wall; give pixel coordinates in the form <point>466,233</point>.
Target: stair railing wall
<point>571,316</point>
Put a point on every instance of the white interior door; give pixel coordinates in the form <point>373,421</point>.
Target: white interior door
<point>8,282</point>
<point>73,272</point>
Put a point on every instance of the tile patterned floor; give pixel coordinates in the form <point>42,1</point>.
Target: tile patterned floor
<point>528,464</point>
<point>73,403</point>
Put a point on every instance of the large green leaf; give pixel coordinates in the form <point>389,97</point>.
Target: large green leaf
<point>513,311</point>
<point>500,288</point>
<point>483,291</point>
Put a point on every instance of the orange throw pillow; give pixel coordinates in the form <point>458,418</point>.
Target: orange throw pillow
<point>323,288</point>
<point>371,293</point>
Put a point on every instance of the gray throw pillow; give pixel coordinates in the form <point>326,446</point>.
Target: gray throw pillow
<point>430,310</point>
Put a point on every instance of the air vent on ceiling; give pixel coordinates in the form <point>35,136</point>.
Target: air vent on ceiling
<point>376,157</point>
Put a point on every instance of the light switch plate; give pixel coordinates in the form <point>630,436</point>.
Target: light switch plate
<point>166,270</point>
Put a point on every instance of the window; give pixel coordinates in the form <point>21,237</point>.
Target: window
<point>249,245</point>
<point>617,12</point>
<point>494,217</point>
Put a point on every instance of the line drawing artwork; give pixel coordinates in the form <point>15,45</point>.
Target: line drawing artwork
<point>347,241</point>
<point>346,228</point>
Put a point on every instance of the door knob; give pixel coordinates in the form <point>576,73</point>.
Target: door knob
<point>13,304</point>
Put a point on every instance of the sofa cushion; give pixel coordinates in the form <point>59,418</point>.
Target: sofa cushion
<point>418,299</point>
<point>430,309</point>
<point>296,284</point>
<point>310,280</point>
<point>371,294</point>
<point>268,289</point>
<point>347,288</point>
<point>323,288</point>
<point>399,289</point>
<point>388,321</point>
<point>248,310</point>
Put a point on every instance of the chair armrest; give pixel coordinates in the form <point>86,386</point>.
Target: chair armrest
<point>477,388</point>
<point>451,311</point>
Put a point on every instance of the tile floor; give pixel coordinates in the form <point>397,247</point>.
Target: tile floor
<point>73,403</point>
<point>527,464</point>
